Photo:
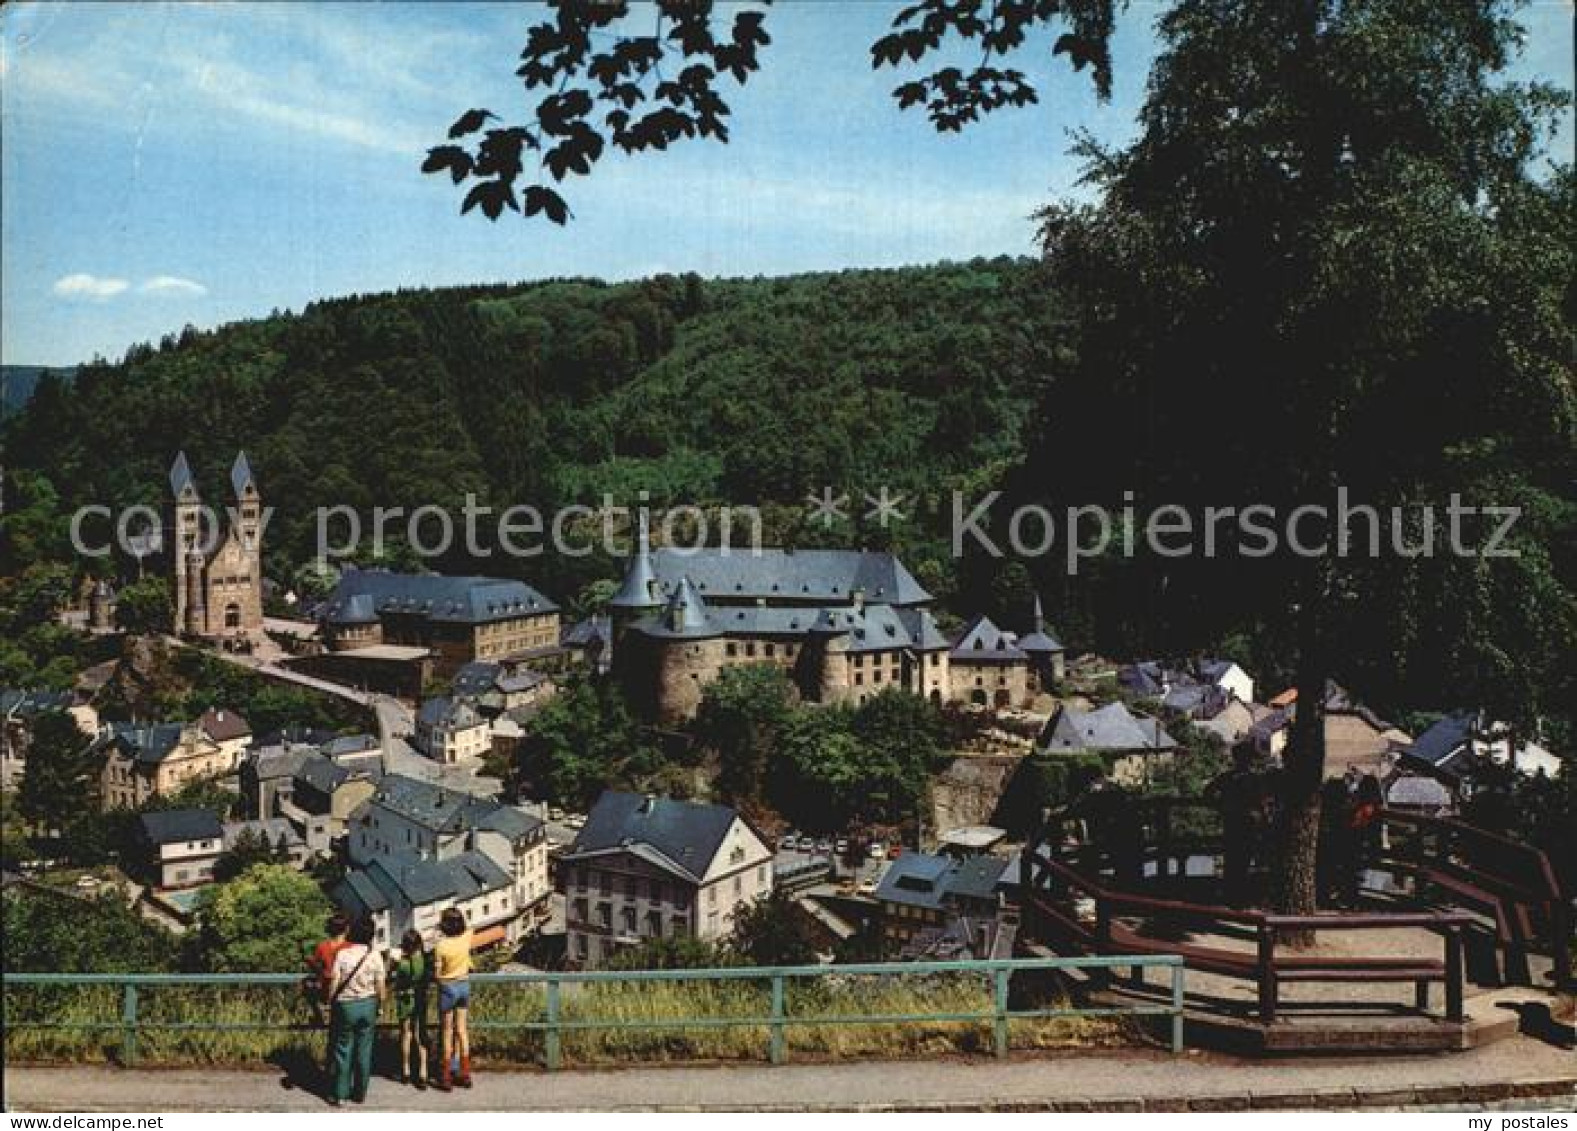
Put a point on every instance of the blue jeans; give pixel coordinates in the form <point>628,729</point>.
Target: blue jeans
<point>355,1023</point>
<point>453,995</point>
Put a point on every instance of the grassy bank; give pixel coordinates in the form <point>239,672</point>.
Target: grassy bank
<point>656,1011</point>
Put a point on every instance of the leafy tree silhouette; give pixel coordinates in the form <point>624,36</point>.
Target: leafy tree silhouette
<point>602,86</point>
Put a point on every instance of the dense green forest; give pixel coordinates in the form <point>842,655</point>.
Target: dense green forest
<point>751,391</point>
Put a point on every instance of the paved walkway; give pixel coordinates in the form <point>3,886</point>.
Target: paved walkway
<point>1516,1073</point>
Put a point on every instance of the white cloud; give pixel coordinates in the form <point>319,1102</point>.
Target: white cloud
<point>171,285</point>
<point>88,287</point>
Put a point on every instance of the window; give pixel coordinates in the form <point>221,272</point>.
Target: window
<point>750,648</point>
<point>859,660</point>
<point>771,649</point>
<point>654,924</point>
<point>733,649</point>
<point>605,883</point>
<point>859,678</point>
<point>761,875</point>
<point>629,920</point>
<point>711,896</point>
<point>739,886</point>
<point>579,911</point>
<point>605,914</point>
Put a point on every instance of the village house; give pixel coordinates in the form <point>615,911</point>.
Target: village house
<point>1131,745</point>
<point>452,730</point>
<point>227,730</point>
<point>458,620</point>
<point>651,867</point>
<point>322,797</point>
<point>923,897</point>
<point>1460,746</point>
<point>417,848</point>
<point>178,847</point>
<point>147,761</point>
<point>495,688</point>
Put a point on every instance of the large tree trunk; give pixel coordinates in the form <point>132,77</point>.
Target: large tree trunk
<point>1293,886</point>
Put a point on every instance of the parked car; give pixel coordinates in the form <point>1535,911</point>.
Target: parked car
<point>867,887</point>
<point>824,846</point>
<point>841,846</point>
<point>878,850</point>
<point>894,852</point>
<point>575,820</point>
<point>555,813</point>
<point>788,842</point>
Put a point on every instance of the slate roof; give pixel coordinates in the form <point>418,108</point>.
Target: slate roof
<point>436,597</point>
<point>641,587</point>
<point>1112,728</point>
<point>351,744</point>
<point>983,642</point>
<point>594,631</point>
<point>26,704</point>
<point>241,475</point>
<point>146,745</point>
<point>443,810</point>
<point>358,608</point>
<point>1038,641</point>
<point>1444,738</point>
<point>920,879</point>
<point>481,677</point>
<point>322,773</point>
<point>181,475</point>
<point>825,577</point>
<point>684,616</point>
<point>279,763</point>
<point>687,834</point>
<point>404,877</point>
<point>442,711</point>
<point>173,826</point>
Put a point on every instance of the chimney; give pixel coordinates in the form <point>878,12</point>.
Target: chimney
<point>859,599</point>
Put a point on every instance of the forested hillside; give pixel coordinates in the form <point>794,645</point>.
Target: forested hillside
<point>746,391</point>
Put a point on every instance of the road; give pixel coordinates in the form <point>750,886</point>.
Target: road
<point>395,721</point>
<point>1482,1079</point>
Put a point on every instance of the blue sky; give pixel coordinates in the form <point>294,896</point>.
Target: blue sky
<point>200,163</point>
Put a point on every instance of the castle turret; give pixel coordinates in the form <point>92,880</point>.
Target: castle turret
<point>640,594</point>
<point>1045,651</point>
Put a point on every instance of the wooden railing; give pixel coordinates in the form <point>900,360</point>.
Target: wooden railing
<point>1151,841</point>
<point>1050,882</point>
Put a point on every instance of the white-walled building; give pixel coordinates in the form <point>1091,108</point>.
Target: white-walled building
<point>180,846</point>
<point>452,730</point>
<point>650,867</point>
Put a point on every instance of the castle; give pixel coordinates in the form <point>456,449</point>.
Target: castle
<point>842,624</point>
<point>218,590</point>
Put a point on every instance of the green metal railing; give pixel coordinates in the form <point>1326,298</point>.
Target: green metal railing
<point>553,1023</point>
